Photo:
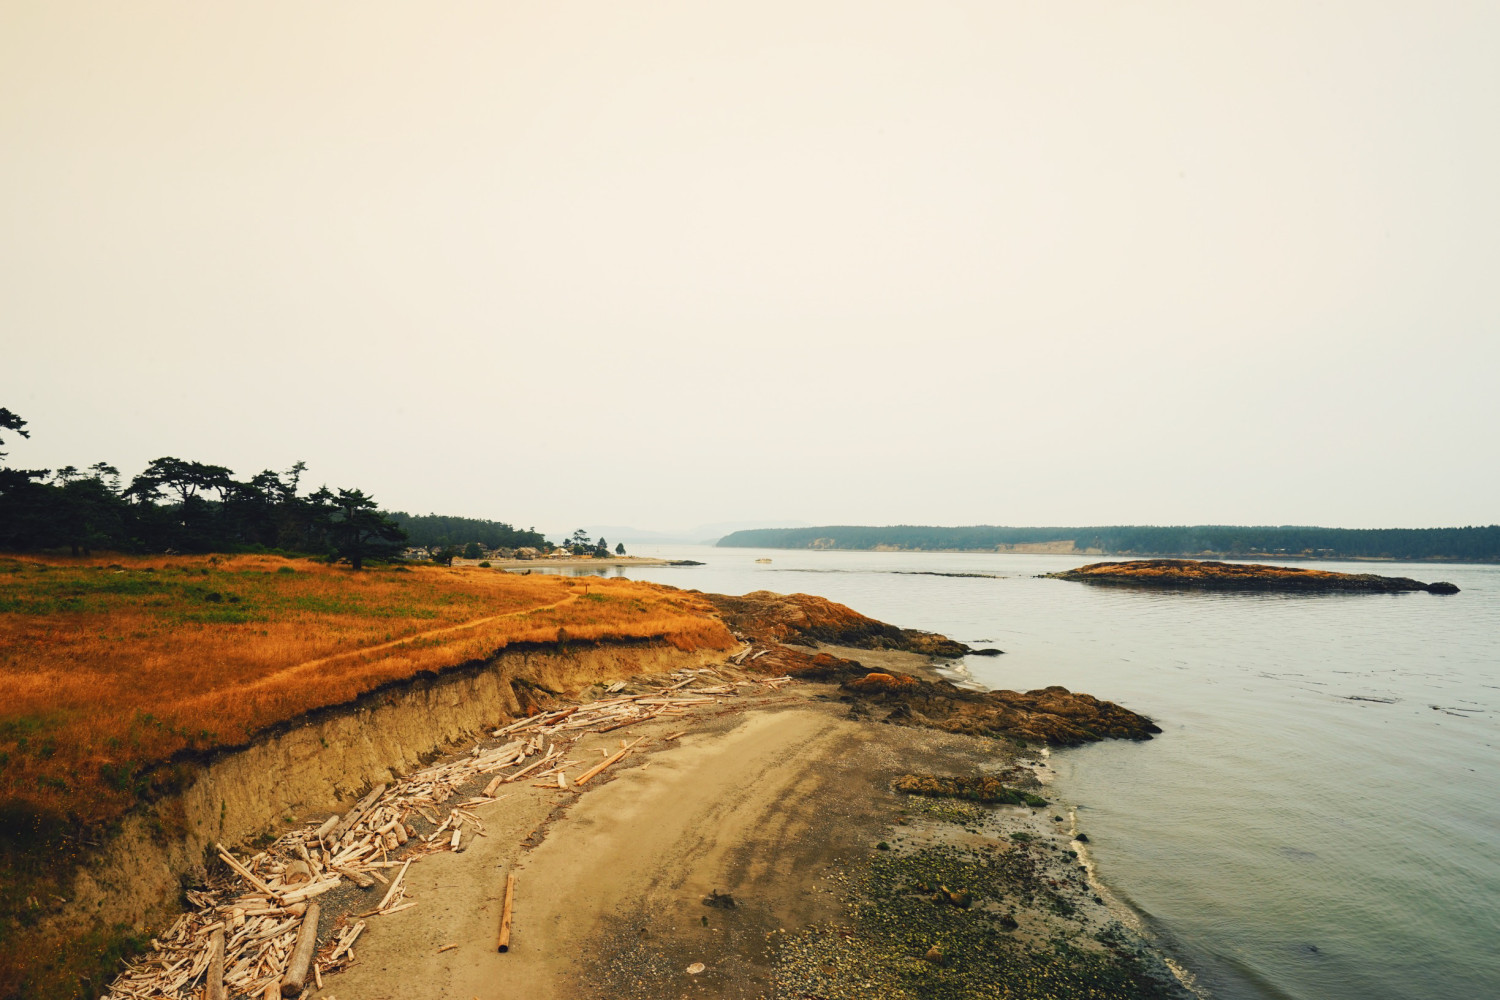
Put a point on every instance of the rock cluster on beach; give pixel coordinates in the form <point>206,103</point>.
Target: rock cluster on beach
<point>1053,715</point>
<point>1202,574</point>
<point>803,620</point>
<point>775,623</point>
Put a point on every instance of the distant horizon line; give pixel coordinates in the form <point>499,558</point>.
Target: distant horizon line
<point>1469,543</point>
<point>1127,524</point>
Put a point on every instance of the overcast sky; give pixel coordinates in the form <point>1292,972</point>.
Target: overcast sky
<point>660,264</point>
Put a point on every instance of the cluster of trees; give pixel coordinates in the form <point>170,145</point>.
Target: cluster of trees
<point>1471,544</point>
<point>469,534</point>
<point>580,545</point>
<point>183,506</point>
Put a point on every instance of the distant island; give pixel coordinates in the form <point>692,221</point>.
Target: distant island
<point>1470,544</point>
<point>1197,574</point>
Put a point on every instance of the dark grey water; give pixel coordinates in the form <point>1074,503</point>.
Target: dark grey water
<point>1320,818</point>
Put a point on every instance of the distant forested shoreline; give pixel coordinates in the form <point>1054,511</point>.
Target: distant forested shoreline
<point>1471,544</point>
<point>433,530</point>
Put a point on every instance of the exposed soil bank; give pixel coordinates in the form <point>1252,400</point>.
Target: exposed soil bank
<point>1197,574</point>
<point>314,765</point>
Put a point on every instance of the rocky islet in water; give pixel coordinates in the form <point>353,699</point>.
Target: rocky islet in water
<point>1201,574</point>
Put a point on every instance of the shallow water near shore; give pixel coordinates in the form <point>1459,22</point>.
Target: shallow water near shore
<point>1319,817</point>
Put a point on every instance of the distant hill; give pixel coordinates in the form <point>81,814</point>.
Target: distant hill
<point>1471,544</point>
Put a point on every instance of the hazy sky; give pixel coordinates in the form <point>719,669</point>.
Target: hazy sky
<point>664,263</point>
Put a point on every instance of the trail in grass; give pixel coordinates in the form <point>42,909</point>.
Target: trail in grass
<point>279,677</point>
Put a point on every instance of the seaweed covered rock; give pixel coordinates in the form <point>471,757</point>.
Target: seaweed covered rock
<point>984,788</point>
<point>1052,715</point>
<point>781,627</point>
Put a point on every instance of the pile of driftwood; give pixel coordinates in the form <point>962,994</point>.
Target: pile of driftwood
<point>254,929</point>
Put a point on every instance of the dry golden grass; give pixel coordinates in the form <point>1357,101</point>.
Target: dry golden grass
<point>110,666</point>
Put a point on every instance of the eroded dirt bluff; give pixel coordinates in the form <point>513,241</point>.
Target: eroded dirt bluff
<point>313,766</point>
<point>776,624</point>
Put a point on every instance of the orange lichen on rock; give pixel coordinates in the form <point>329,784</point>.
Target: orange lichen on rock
<point>877,682</point>
<point>805,619</point>
<point>791,661</point>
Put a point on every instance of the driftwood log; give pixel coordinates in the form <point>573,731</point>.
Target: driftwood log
<point>256,901</point>
<point>244,872</point>
<point>307,941</point>
<point>390,894</point>
<point>353,815</point>
<point>591,772</point>
<point>502,944</point>
<point>213,985</point>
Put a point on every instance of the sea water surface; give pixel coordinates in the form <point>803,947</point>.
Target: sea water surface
<point>1320,818</point>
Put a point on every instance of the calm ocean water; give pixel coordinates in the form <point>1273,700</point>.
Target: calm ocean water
<point>1321,816</point>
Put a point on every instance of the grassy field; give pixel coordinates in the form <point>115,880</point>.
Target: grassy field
<point>110,666</point>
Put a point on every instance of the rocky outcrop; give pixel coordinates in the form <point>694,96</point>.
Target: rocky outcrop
<point>805,620</point>
<point>1199,574</point>
<point>1054,715</point>
<point>776,625</point>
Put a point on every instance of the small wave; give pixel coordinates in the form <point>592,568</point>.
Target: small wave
<point>1456,711</point>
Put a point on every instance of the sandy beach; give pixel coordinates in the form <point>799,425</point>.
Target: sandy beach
<point>812,811</point>
<point>783,801</point>
<point>566,562</point>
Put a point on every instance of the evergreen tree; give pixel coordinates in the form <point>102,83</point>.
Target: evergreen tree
<point>359,531</point>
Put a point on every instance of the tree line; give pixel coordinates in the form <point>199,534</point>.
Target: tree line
<point>175,505</point>
<point>444,531</point>
<point>1469,544</point>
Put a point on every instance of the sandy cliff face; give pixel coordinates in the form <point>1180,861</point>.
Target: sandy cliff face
<point>315,766</point>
